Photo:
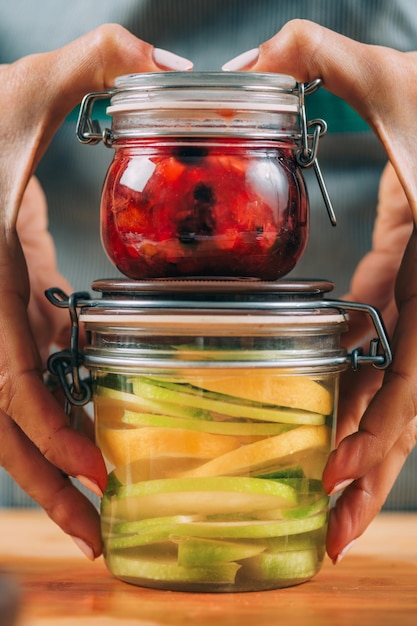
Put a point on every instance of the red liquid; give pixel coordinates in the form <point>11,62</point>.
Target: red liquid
<point>194,210</point>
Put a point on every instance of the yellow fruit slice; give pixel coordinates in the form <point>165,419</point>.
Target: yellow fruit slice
<point>270,452</point>
<point>297,392</point>
<point>158,468</point>
<point>122,446</point>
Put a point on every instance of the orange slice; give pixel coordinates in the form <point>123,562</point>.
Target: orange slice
<point>298,392</point>
<point>122,446</point>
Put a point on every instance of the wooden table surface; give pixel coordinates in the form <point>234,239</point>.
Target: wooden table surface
<point>374,585</point>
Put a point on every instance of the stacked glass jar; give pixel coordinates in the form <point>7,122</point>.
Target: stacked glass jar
<point>215,384</point>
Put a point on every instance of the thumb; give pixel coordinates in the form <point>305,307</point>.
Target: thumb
<point>378,82</point>
<point>50,85</point>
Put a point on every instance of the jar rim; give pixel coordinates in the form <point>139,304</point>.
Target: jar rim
<point>204,90</point>
<point>176,319</point>
<point>285,289</point>
<point>227,80</point>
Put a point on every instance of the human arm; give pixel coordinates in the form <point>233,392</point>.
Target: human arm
<point>381,85</point>
<point>37,447</point>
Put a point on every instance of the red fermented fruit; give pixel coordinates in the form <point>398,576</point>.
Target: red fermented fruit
<point>223,209</point>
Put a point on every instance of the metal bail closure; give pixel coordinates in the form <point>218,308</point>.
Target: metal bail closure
<point>88,129</point>
<point>65,365</point>
<point>307,155</point>
<point>380,354</point>
<point>90,132</point>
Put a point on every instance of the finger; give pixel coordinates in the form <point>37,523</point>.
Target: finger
<point>388,414</point>
<point>47,426</point>
<point>49,324</point>
<point>378,82</point>
<point>357,388</point>
<point>308,51</point>
<point>63,502</point>
<point>373,281</point>
<point>395,404</point>
<point>362,500</point>
<point>90,63</point>
<point>78,417</point>
<point>25,398</point>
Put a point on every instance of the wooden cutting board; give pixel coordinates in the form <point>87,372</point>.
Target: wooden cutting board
<point>375,584</point>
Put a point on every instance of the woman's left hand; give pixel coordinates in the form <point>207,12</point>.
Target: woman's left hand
<point>37,446</point>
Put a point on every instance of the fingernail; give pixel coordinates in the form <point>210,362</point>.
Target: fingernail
<point>170,61</point>
<point>90,484</point>
<point>84,547</point>
<point>342,485</point>
<point>343,552</point>
<point>243,61</point>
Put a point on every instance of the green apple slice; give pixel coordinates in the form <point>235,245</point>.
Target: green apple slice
<point>303,486</point>
<point>210,426</point>
<point>303,541</point>
<point>129,535</point>
<point>186,395</point>
<point>307,510</point>
<point>109,400</point>
<point>169,570</point>
<point>286,473</point>
<point>310,506</point>
<point>203,496</point>
<point>291,565</point>
<point>237,484</point>
<point>194,551</point>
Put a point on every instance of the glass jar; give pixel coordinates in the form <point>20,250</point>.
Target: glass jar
<point>215,405</point>
<point>206,177</point>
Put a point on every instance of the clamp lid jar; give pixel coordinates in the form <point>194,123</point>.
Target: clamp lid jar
<point>206,178</point>
<point>215,407</point>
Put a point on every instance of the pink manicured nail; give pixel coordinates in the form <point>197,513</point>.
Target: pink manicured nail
<point>84,547</point>
<point>343,552</point>
<point>342,485</point>
<point>243,61</point>
<point>90,484</point>
<point>170,61</point>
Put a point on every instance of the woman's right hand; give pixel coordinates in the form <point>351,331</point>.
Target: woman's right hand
<point>381,84</point>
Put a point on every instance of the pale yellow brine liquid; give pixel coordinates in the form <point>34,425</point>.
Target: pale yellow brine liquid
<point>214,476</point>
